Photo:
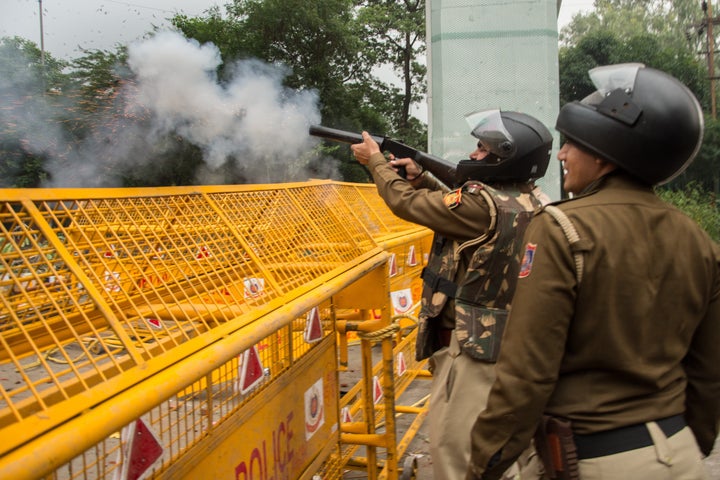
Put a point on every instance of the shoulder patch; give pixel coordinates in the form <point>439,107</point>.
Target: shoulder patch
<point>474,188</point>
<point>527,261</point>
<point>453,199</point>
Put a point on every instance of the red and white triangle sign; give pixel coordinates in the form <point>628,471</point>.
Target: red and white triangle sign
<point>141,449</point>
<point>251,373</point>
<point>412,258</point>
<point>377,390</point>
<point>392,268</point>
<point>313,326</point>
<point>401,366</point>
<point>155,323</point>
<point>203,252</point>
<point>345,415</point>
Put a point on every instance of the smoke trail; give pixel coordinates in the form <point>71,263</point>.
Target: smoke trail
<point>251,120</point>
<point>252,117</point>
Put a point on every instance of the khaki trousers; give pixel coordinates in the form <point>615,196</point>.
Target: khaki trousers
<point>674,458</point>
<point>459,392</point>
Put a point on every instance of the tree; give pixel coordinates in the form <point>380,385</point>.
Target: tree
<point>317,40</point>
<point>697,204</point>
<point>31,126</point>
<point>670,21</point>
<point>604,47</point>
<point>660,34</point>
<point>395,34</point>
<point>704,172</point>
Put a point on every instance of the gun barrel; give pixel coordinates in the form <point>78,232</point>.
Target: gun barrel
<point>442,169</point>
<point>340,135</point>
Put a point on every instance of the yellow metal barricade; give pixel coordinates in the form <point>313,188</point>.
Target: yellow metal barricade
<point>197,332</point>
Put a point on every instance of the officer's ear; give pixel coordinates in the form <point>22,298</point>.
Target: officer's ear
<point>605,165</point>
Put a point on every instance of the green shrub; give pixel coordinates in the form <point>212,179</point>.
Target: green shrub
<point>698,204</point>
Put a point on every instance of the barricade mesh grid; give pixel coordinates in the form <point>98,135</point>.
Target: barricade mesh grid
<point>189,416</point>
<point>92,286</point>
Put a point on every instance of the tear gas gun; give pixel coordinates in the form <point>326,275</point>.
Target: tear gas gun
<point>442,169</point>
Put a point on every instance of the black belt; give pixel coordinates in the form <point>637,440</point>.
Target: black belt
<point>625,438</point>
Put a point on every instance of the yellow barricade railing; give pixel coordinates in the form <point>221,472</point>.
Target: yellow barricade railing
<point>188,316</point>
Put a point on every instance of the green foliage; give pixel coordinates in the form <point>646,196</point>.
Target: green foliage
<point>604,47</point>
<point>176,162</point>
<point>226,34</point>
<point>674,23</point>
<point>663,34</point>
<point>25,67</point>
<point>704,172</point>
<point>697,204</point>
<point>394,33</point>
<point>332,47</point>
<point>99,70</point>
<point>31,87</point>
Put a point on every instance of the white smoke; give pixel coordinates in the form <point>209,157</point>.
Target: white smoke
<point>253,114</point>
<point>250,119</point>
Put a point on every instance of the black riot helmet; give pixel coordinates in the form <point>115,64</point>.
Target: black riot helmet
<point>519,148</point>
<point>641,119</point>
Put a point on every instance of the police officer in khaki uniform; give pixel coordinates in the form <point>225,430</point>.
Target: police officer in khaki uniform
<point>470,276</point>
<point>627,347</point>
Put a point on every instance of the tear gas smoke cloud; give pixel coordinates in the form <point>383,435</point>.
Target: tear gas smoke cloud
<point>251,116</point>
<point>250,119</point>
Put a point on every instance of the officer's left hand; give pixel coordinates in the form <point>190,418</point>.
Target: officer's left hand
<point>412,169</point>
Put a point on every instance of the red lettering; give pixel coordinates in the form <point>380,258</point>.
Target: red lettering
<point>289,438</point>
<point>277,454</point>
<point>265,461</point>
<point>241,469</point>
<point>274,452</point>
<point>259,465</point>
<point>255,455</point>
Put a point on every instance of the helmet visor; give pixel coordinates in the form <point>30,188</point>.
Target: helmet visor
<point>614,94</point>
<point>612,77</point>
<point>488,127</point>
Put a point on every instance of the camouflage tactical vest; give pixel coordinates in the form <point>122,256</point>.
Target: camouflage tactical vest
<point>482,300</point>
<point>438,287</point>
<point>439,275</point>
<point>510,211</point>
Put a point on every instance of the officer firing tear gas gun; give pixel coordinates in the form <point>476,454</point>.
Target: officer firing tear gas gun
<point>442,169</point>
<point>503,136</point>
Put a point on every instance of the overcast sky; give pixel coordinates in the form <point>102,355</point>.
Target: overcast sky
<point>91,24</point>
<point>102,24</point>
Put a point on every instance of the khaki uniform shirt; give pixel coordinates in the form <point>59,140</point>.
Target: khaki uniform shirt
<point>637,340</point>
<point>421,202</point>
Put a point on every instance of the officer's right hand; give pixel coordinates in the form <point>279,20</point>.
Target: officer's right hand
<point>363,151</point>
